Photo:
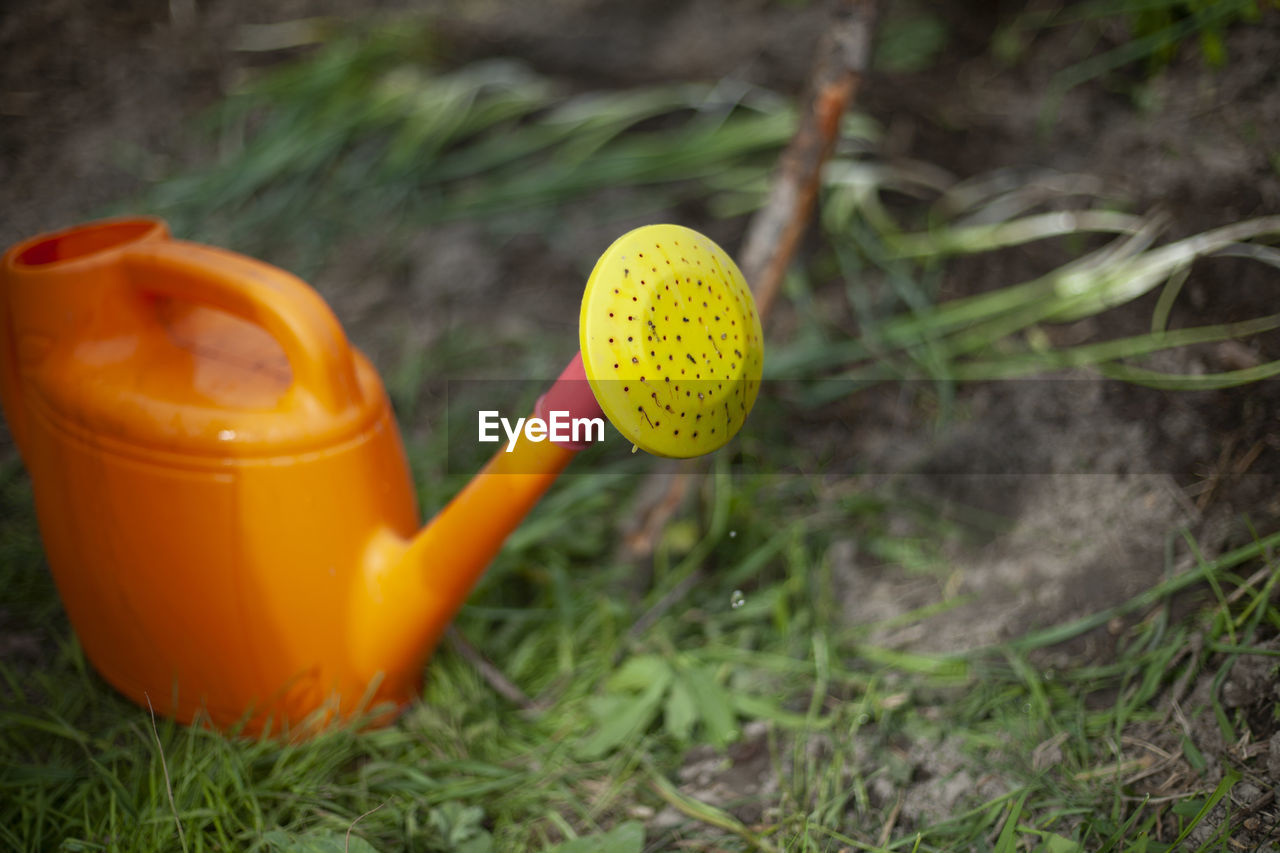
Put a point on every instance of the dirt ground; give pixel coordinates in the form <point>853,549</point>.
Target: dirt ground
<point>97,98</point>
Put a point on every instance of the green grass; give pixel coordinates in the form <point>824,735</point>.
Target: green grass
<point>756,650</point>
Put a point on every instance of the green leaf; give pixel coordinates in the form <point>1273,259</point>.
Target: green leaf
<point>460,828</point>
<point>1193,755</point>
<point>620,718</point>
<point>322,841</point>
<point>715,708</point>
<point>680,714</point>
<point>1188,808</point>
<point>482,843</point>
<point>624,838</point>
<point>1054,843</point>
<point>639,673</point>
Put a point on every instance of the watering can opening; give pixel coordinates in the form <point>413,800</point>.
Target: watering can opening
<point>86,241</point>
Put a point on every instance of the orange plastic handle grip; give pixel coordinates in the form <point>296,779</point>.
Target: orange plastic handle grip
<point>280,303</point>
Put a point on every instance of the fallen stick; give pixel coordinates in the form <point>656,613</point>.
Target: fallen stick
<point>775,230</point>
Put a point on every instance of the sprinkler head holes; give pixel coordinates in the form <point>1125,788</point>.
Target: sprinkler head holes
<point>671,342</point>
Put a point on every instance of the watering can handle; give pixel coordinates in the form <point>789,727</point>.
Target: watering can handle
<point>280,303</point>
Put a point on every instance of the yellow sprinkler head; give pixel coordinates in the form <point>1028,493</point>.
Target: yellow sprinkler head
<point>671,341</point>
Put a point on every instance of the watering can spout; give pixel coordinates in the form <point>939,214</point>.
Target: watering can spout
<point>413,588</point>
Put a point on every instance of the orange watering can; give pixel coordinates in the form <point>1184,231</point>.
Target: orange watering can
<point>220,484</point>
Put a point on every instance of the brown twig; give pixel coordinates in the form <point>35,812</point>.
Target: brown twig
<point>346,843</point>
<point>775,231</point>
<point>656,501</point>
<point>164,769</point>
<point>886,831</point>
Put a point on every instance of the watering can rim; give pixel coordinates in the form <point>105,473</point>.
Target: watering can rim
<point>140,228</point>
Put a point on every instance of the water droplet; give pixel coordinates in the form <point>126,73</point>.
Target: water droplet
<point>737,599</point>
<point>733,534</point>
<point>863,719</point>
<point>1026,709</point>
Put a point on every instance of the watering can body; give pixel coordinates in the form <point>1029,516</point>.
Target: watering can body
<point>220,485</point>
